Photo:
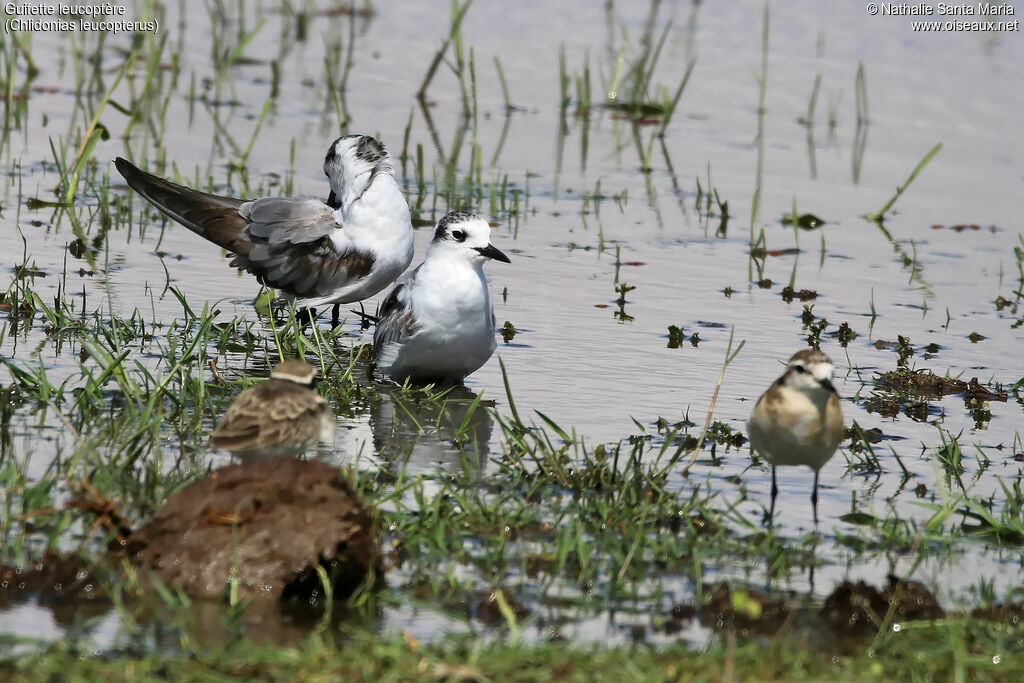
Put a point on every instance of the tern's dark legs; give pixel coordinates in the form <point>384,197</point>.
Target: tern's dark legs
<point>364,319</point>
<point>306,316</point>
<point>814,498</point>
<point>335,316</point>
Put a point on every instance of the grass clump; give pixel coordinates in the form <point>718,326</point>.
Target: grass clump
<point>942,649</point>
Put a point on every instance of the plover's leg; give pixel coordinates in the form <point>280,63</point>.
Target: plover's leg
<point>814,498</point>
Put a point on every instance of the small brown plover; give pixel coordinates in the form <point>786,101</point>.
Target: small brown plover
<point>284,415</point>
<point>798,421</point>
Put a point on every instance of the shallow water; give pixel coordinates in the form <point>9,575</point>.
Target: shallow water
<point>573,357</point>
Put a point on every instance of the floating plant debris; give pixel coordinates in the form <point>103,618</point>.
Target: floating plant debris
<point>805,221</point>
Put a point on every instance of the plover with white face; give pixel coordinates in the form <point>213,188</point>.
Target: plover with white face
<point>798,421</point>
<point>315,253</point>
<point>285,415</point>
<point>437,324</point>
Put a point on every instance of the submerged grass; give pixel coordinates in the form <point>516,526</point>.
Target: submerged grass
<point>879,216</point>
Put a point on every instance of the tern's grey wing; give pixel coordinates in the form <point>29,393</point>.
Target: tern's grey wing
<point>292,244</point>
<point>211,216</point>
<point>298,246</point>
<point>396,323</point>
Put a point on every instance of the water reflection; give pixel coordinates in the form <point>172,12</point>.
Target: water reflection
<point>427,433</point>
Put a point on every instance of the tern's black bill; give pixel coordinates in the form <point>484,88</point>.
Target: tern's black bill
<point>332,201</point>
<point>491,251</point>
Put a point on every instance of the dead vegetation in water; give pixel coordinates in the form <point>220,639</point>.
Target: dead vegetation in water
<point>921,382</point>
<point>677,336</point>
<point>925,383</point>
<point>845,334</point>
<point>804,221</point>
<point>789,294</point>
<point>105,512</point>
<point>914,392</point>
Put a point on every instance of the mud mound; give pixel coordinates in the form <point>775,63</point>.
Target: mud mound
<point>268,525</point>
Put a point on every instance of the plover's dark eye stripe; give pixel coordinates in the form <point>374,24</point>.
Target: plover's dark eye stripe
<point>459,235</point>
<point>800,369</point>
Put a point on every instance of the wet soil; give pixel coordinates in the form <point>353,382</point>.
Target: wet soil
<point>859,609</point>
<point>64,583</point>
<point>853,610</point>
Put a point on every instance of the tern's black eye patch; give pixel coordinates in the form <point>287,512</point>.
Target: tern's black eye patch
<point>450,219</point>
<point>459,235</point>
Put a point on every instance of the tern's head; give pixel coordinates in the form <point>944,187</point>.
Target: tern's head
<point>352,163</point>
<point>809,370</point>
<point>295,370</point>
<point>464,235</point>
